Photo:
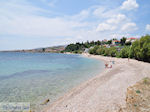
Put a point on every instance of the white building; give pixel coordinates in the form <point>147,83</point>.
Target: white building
<point>132,39</point>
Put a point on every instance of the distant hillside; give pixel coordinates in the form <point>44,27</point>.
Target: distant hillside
<point>54,49</point>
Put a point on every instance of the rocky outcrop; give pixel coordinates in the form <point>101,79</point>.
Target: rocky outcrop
<point>138,97</point>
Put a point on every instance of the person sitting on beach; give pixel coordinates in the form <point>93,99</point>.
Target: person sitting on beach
<point>106,65</point>
<point>109,66</point>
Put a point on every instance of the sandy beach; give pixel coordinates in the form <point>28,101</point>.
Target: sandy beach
<point>105,92</point>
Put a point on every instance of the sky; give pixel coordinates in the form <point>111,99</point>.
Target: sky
<point>27,24</point>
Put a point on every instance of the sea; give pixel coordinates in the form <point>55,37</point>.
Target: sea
<point>36,77</point>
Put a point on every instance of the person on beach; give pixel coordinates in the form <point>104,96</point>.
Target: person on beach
<point>113,62</point>
<point>109,66</point>
<point>106,65</point>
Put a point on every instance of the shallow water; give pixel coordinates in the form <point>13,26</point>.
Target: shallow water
<point>35,77</point>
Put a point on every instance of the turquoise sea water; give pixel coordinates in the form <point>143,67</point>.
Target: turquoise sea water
<point>35,77</point>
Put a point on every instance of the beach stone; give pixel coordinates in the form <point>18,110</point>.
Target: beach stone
<point>46,101</point>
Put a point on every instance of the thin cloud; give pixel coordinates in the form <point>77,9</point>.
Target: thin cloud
<point>22,19</point>
<point>129,27</point>
<point>129,5</point>
<point>147,28</point>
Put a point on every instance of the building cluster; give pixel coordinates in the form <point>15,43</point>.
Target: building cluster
<point>115,43</point>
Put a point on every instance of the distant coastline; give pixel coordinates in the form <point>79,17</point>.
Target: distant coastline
<point>54,49</point>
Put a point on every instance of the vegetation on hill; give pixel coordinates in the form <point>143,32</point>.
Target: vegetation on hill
<point>140,49</point>
<point>80,47</point>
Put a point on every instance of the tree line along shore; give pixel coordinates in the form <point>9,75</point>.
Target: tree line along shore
<point>135,48</point>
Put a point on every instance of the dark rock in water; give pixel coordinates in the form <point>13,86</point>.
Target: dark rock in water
<point>46,101</point>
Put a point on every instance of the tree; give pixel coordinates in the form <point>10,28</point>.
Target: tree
<point>128,43</point>
<point>135,50</point>
<point>114,39</point>
<point>98,42</point>
<point>92,43</point>
<point>93,50</point>
<point>109,42</point>
<point>140,49</point>
<point>145,48</point>
<point>106,53</point>
<point>123,41</point>
<point>71,48</point>
<point>100,51</point>
<point>86,44</point>
<point>113,51</point>
<point>43,49</point>
<point>124,53</point>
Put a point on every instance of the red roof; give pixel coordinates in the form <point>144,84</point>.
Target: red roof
<point>132,38</point>
<point>105,40</point>
<point>116,40</point>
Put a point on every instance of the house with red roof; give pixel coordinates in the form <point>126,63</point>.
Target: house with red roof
<point>131,39</point>
<point>105,40</point>
<point>115,42</point>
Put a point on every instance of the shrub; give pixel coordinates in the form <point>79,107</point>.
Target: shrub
<point>140,49</point>
<point>113,51</point>
<point>93,50</point>
<point>124,53</point>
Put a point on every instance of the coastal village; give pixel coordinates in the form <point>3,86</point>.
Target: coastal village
<point>62,48</point>
<point>114,43</point>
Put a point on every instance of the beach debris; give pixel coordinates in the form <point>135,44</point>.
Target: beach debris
<point>45,102</point>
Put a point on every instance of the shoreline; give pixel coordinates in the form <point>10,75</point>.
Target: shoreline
<point>77,86</point>
<point>105,91</point>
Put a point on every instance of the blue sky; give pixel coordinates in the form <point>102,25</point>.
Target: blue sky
<point>26,24</point>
